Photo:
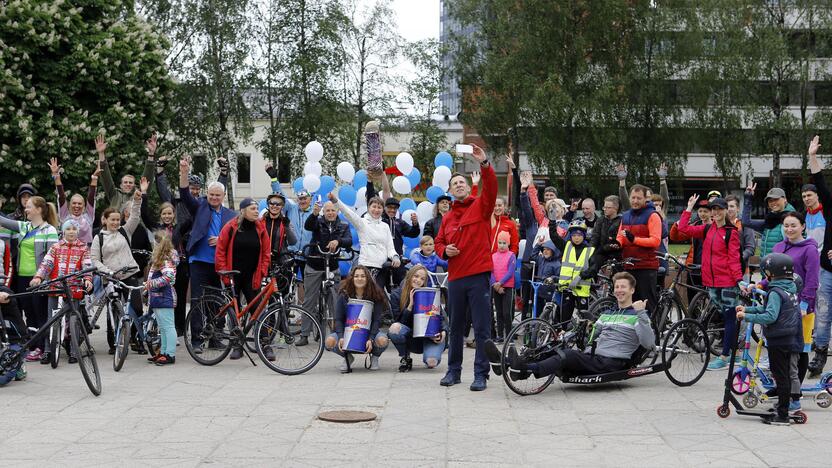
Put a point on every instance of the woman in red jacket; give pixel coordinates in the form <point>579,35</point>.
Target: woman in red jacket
<point>501,222</point>
<point>721,270</point>
<point>244,245</point>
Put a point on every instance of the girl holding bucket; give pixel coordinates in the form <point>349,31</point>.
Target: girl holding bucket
<point>357,319</point>
<point>418,326</point>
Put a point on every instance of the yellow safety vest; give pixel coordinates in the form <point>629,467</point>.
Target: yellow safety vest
<point>571,267</point>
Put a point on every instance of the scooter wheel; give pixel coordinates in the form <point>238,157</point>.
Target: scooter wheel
<point>750,400</point>
<point>800,417</point>
<point>723,411</point>
<point>740,383</point>
<point>823,399</point>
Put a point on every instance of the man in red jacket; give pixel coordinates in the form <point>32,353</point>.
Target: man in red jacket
<point>463,240</point>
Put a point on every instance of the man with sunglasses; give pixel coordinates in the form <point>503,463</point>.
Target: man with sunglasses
<point>280,230</point>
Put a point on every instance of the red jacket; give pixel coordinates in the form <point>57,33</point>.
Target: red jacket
<point>224,258</point>
<point>720,266</point>
<point>468,227</point>
<point>505,223</point>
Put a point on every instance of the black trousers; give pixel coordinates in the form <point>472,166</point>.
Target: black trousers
<point>646,288</point>
<point>568,305</point>
<point>181,287</point>
<point>34,307</point>
<point>783,364</point>
<point>504,311</point>
<point>12,320</point>
<point>574,362</point>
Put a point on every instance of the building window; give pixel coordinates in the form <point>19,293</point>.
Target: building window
<point>243,168</point>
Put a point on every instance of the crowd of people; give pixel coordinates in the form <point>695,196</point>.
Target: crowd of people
<point>178,248</point>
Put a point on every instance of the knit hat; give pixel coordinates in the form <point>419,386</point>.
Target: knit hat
<point>246,203</point>
<point>504,236</point>
<point>26,188</point>
<point>70,223</point>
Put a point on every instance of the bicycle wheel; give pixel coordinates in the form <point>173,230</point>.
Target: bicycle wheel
<point>208,330</point>
<point>531,340</point>
<point>698,305</point>
<point>85,353</point>
<point>684,361</point>
<point>56,332</point>
<point>599,307</point>
<point>670,312</point>
<point>277,330</point>
<point>122,343</point>
<point>152,337</point>
<point>715,326</point>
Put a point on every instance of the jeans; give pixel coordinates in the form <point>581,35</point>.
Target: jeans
<point>726,300</point>
<point>377,350</point>
<point>403,341</point>
<point>167,330</point>
<point>313,286</point>
<point>471,293</point>
<point>823,317</point>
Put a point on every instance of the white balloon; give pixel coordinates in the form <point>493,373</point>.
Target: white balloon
<point>424,211</point>
<point>406,215</point>
<point>345,171</point>
<point>442,173</point>
<point>401,185</point>
<point>312,167</point>
<point>361,197</point>
<point>311,182</point>
<point>443,184</point>
<point>404,162</point>
<point>314,151</point>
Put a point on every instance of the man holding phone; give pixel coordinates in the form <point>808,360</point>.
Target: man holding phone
<point>463,240</point>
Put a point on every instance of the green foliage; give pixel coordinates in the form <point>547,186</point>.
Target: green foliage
<point>72,69</point>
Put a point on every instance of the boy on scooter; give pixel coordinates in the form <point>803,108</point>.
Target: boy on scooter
<point>781,320</point>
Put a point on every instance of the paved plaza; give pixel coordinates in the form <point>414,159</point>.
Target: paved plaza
<point>234,414</point>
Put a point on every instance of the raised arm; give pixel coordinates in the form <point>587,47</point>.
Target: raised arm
<point>621,172</point>
<point>537,210</point>
<point>150,162</point>
<point>748,199</point>
<point>91,191</point>
<point>163,186</point>
<point>489,184</point>
<point>684,227</point>
<point>817,174</point>
<point>110,191</point>
<point>55,170</point>
<point>184,193</point>
<point>135,213</point>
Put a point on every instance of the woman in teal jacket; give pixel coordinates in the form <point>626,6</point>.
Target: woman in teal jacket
<point>772,226</point>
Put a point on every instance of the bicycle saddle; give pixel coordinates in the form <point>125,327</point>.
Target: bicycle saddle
<point>694,267</point>
<point>228,272</point>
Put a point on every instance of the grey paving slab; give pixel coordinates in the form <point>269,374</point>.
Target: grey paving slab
<point>234,414</point>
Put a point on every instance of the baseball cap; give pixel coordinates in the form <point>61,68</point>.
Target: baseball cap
<point>702,204</point>
<point>392,201</point>
<point>776,192</point>
<point>246,202</point>
<point>718,203</point>
<point>443,197</point>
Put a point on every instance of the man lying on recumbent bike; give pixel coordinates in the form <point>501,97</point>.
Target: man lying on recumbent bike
<point>615,337</point>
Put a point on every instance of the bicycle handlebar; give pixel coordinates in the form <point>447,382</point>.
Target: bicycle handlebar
<point>326,254</point>
<point>63,278</point>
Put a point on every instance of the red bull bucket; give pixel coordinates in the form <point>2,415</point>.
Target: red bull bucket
<point>427,315</point>
<point>357,325</point>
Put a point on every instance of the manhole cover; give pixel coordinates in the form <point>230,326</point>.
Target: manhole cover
<point>345,416</point>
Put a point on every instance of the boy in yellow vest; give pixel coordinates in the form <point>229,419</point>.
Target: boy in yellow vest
<point>575,259</point>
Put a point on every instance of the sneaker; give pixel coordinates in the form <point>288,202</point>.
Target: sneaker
<point>34,355</point>
<point>111,351</point>
<point>717,363</point>
<point>269,352</point>
<point>763,364</point>
<point>777,420</point>
<point>164,360</point>
<point>237,353</point>
<point>794,405</point>
<point>154,358</point>
<point>45,358</point>
<point>343,367</point>
<point>374,363</point>
<point>406,364</point>
<point>73,359</point>
<point>21,373</point>
<point>303,341</point>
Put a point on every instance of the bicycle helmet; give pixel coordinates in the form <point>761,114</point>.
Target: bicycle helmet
<point>195,179</point>
<point>777,266</point>
<point>577,224</point>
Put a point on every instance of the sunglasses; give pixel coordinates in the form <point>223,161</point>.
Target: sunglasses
<point>275,204</point>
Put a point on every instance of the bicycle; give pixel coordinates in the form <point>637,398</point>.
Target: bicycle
<point>607,301</point>
<point>326,322</point>
<point>217,325</point>
<point>147,330</point>
<point>12,357</point>
<point>671,308</point>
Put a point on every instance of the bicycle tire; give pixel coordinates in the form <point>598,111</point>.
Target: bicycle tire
<point>679,350</point>
<point>214,340</point>
<point>698,305</point>
<point>277,329</point>
<point>151,337</point>
<point>528,338</point>
<point>122,344</point>
<point>597,308</point>
<point>55,334</point>
<point>671,313</point>
<point>715,329</point>
<point>85,354</point>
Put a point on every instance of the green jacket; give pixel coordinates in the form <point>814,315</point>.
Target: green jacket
<point>772,232</point>
<point>113,196</point>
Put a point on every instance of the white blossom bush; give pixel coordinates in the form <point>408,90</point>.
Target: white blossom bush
<point>70,69</point>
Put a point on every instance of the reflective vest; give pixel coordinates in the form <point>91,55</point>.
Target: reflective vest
<point>571,267</point>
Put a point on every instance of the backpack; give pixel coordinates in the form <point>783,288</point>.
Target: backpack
<point>101,238</point>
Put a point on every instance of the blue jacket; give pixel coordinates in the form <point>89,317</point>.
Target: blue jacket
<point>431,262</point>
<point>546,268</point>
<point>200,211</point>
<point>297,218</point>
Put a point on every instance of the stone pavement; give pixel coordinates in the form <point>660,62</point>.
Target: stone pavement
<point>234,414</point>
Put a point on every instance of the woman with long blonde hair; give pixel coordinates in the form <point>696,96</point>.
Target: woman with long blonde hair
<point>401,331</point>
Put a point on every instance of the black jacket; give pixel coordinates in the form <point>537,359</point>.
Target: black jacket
<point>323,232</point>
<point>603,238</point>
<point>432,226</point>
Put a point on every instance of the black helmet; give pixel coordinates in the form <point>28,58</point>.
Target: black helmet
<point>777,266</point>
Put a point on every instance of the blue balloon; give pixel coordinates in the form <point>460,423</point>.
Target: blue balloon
<point>443,158</point>
<point>414,177</point>
<point>344,268</point>
<point>433,193</point>
<point>407,204</point>
<point>355,244</point>
<point>327,185</point>
<point>298,184</point>
<point>412,242</point>
<point>360,179</point>
<point>347,195</point>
